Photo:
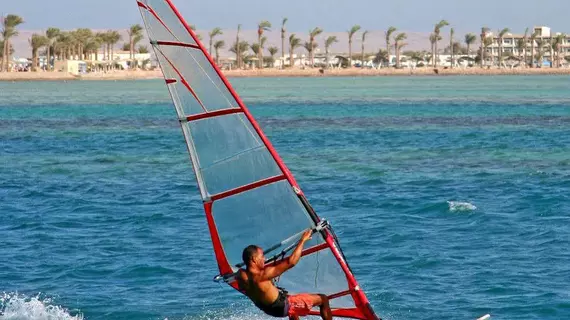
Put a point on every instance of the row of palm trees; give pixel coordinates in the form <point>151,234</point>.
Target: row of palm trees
<point>82,42</point>
<point>62,45</point>
<point>240,48</point>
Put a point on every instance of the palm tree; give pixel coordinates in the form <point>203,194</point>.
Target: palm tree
<point>451,34</point>
<point>273,51</point>
<point>398,45</point>
<point>193,27</point>
<point>142,49</point>
<point>381,57</point>
<point>240,49</point>
<point>9,24</point>
<point>262,27</point>
<point>388,35</point>
<point>92,46</point>
<point>533,37</point>
<point>487,42</point>
<point>283,31</point>
<point>51,35</point>
<point>312,34</point>
<point>437,31</point>
<point>433,39</point>
<point>36,42</point>
<point>220,44</point>
<point>255,48</point>
<point>328,43</point>
<point>557,48</point>
<point>113,38</point>
<point>521,46</point>
<point>470,38</point>
<point>134,31</point>
<point>214,33</point>
<point>237,52</point>
<point>101,39</point>
<point>502,34</point>
<point>310,47</point>
<point>1,54</point>
<point>551,47</point>
<point>363,40</point>
<point>351,33</point>
<point>294,43</point>
<point>262,47</point>
<point>82,37</point>
<point>540,44</point>
<point>61,44</point>
<point>484,32</point>
<point>135,36</point>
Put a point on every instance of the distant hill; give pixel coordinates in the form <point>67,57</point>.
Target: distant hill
<point>374,41</point>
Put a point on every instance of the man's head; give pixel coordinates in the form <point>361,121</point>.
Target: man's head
<point>253,255</point>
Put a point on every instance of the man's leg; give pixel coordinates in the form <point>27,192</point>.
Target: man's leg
<point>322,301</point>
<point>301,305</point>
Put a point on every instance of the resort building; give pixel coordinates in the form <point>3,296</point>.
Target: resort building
<point>513,45</point>
<point>121,58</point>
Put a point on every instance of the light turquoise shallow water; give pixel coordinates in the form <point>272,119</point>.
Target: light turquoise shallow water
<point>450,195</point>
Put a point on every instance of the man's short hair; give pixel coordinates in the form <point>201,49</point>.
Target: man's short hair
<point>248,253</point>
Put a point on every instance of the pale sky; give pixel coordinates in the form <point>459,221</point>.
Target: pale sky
<point>331,15</point>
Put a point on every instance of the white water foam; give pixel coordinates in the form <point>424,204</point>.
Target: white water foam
<point>14,306</point>
<point>456,206</point>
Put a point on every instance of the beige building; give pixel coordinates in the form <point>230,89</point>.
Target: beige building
<point>74,67</point>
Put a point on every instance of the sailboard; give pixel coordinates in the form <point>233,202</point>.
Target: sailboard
<point>249,195</point>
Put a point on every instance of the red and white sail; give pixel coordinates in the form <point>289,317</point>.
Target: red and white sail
<point>249,195</point>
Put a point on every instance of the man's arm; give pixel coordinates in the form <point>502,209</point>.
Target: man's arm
<point>240,278</point>
<point>286,264</point>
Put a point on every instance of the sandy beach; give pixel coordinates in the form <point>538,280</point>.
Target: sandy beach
<point>309,72</point>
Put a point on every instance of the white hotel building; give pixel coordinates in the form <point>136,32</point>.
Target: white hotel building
<point>510,44</point>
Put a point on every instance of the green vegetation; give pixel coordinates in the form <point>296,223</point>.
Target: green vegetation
<point>84,44</point>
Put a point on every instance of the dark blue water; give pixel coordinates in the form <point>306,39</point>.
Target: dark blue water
<point>451,196</point>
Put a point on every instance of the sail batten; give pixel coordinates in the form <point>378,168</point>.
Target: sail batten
<point>179,44</point>
<point>217,113</point>
<point>249,195</point>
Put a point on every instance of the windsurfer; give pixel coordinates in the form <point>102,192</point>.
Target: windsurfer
<point>256,282</point>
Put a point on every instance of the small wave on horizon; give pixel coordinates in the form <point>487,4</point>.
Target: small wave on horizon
<point>457,206</point>
<point>14,306</point>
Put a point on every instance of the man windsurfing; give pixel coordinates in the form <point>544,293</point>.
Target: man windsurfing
<point>256,281</point>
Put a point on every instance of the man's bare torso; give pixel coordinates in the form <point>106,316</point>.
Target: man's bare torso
<point>256,288</point>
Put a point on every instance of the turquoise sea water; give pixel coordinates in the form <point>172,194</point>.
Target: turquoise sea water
<point>450,195</point>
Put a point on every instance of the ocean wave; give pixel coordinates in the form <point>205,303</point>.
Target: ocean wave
<point>456,206</point>
<point>14,306</point>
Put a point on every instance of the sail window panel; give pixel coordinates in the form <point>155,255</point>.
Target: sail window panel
<point>155,29</point>
<point>185,103</point>
<point>264,216</point>
<point>177,33</point>
<point>201,77</point>
<point>318,272</point>
<point>220,138</point>
<point>239,170</point>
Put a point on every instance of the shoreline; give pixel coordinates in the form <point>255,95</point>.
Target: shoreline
<point>276,73</point>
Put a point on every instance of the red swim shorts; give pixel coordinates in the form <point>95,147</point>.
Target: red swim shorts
<point>300,304</point>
